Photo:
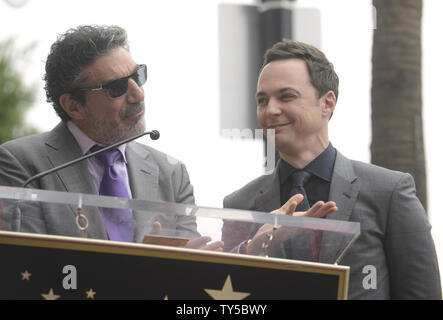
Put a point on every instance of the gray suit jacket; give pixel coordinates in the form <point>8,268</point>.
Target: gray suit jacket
<point>152,176</point>
<point>395,233</point>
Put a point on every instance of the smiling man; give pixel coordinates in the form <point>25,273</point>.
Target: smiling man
<point>96,88</point>
<point>297,92</point>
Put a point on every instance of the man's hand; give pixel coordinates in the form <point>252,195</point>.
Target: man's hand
<point>200,243</point>
<point>318,210</point>
<point>282,233</point>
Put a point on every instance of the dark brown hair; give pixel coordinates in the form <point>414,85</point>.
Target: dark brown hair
<point>71,53</point>
<point>321,71</point>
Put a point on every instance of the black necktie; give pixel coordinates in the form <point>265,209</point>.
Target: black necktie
<point>299,179</point>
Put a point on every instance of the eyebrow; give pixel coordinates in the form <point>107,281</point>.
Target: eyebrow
<point>282,90</point>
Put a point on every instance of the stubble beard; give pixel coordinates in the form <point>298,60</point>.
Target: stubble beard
<point>111,132</point>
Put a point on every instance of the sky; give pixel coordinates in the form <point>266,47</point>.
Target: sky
<point>178,40</point>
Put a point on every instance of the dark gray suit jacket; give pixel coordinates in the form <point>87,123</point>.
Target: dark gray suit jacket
<point>153,176</point>
<point>395,232</point>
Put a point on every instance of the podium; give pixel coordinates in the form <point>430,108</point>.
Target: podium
<point>54,246</point>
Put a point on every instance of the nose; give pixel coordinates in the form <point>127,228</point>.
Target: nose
<point>267,114</point>
<point>273,108</point>
<point>135,92</point>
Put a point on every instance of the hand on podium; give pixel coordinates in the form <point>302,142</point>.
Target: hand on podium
<point>200,243</point>
<point>270,237</point>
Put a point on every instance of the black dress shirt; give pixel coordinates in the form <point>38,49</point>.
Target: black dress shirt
<point>317,188</point>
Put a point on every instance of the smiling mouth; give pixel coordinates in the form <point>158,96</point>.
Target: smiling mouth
<point>276,126</point>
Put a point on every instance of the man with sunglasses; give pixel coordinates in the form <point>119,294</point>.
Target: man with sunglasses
<point>96,89</point>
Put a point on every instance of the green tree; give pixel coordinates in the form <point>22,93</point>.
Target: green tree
<point>15,96</point>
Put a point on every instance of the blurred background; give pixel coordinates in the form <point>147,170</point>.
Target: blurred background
<point>202,65</point>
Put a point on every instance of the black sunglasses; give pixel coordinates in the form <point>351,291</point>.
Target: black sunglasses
<point>118,87</point>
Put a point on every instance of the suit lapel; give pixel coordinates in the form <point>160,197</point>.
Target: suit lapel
<point>143,173</point>
<point>268,198</point>
<point>269,193</point>
<point>62,148</point>
<point>344,190</point>
<point>143,178</point>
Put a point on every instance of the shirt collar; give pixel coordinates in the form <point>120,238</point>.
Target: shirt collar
<point>322,166</point>
<point>87,143</point>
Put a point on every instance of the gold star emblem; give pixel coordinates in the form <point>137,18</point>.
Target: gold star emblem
<point>50,295</point>
<point>90,294</point>
<point>227,293</point>
<point>26,275</point>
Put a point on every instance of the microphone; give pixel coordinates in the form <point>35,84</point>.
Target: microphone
<point>16,216</point>
<point>154,135</point>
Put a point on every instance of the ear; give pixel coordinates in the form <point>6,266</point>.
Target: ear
<point>72,107</point>
<point>328,105</point>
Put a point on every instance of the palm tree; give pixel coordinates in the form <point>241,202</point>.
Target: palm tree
<point>397,126</point>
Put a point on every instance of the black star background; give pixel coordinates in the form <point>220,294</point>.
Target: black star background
<point>125,276</point>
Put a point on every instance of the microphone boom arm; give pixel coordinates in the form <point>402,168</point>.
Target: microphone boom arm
<point>154,134</point>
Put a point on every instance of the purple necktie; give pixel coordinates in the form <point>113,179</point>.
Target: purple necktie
<point>119,223</point>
